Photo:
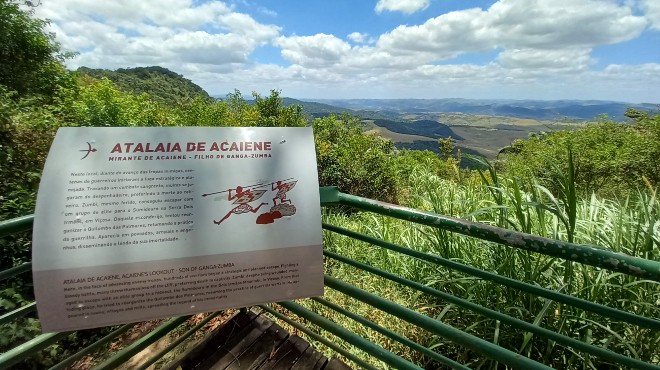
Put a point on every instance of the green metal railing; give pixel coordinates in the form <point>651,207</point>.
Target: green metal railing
<point>315,325</point>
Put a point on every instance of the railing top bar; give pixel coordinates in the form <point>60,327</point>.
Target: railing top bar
<point>19,312</point>
<point>16,270</point>
<point>29,348</point>
<point>586,254</point>
<point>15,225</point>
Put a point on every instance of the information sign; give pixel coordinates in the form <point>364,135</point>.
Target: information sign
<point>141,223</point>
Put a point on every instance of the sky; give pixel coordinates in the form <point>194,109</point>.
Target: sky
<point>347,49</point>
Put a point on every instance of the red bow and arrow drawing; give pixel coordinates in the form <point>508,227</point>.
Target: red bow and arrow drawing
<point>244,195</point>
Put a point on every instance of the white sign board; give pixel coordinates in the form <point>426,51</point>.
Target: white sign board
<point>141,223</point>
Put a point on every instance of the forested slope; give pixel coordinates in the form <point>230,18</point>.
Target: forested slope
<point>162,85</point>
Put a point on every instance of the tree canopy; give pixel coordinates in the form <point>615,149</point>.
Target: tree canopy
<point>30,58</point>
<point>162,85</point>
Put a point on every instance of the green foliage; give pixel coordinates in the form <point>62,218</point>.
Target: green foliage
<point>620,226</point>
<point>407,161</point>
<point>161,84</point>
<point>101,103</point>
<point>357,163</point>
<point>272,112</point>
<point>30,59</point>
<point>25,137</point>
<point>200,112</point>
<point>610,158</point>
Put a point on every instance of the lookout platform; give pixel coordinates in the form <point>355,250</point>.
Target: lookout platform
<point>249,340</point>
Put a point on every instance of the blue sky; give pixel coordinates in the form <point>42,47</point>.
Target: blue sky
<point>504,49</point>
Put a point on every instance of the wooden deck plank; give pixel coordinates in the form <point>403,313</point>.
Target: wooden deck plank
<point>287,354</point>
<point>308,359</point>
<point>320,364</point>
<point>264,347</point>
<point>249,341</point>
<point>336,364</point>
<point>228,353</point>
<point>192,358</point>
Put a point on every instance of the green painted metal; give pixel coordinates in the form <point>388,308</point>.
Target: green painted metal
<point>476,344</point>
<point>28,349</point>
<point>16,270</point>
<point>390,334</point>
<point>350,337</point>
<point>92,347</point>
<point>586,254</point>
<point>142,343</point>
<point>496,315</point>
<point>177,341</point>
<point>16,225</point>
<point>582,253</point>
<point>319,338</point>
<point>19,312</point>
<point>329,194</point>
<point>503,280</point>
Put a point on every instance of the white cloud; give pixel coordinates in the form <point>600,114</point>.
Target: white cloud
<point>538,36</point>
<point>445,36</point>
<point>266,11</point>
<point>317,50</point>
<point>360,38</point>
<point>566,60</point>
<point>562,23</point>
<point>437,81</point>
<point>126,33</point>
<point>544,48</point>
<point>518,24</point>
<point>405,6</point>
<point>652,12</point>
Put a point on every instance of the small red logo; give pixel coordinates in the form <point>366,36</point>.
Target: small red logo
<point>88,150</point>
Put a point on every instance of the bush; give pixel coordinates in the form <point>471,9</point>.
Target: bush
<point>357,163</point>
<point>610,158</point>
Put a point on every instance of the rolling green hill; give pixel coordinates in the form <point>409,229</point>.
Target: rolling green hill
<point>316,110</point>
<point>160,83</point>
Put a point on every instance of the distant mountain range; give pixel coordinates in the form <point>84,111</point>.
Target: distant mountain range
<point>170,87</point>
<point>477,126</point>
<point>535,109</point>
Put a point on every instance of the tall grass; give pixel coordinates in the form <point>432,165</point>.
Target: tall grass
<point>628,225</point>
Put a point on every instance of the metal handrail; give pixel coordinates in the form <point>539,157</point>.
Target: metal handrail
<point>583,253</point>
<point>586,254</point>
<point>496,315</point>
<point>506,281</point>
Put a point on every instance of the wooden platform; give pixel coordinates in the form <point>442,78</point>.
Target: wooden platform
<point>252,341</point>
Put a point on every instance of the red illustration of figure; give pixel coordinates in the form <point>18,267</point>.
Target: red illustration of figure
<point>282,189</point>
<point>243,197</point>
<point>285,207</point>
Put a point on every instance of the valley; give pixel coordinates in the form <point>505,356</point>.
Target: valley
<point>415,126</point>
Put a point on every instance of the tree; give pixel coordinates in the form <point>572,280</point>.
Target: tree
<point>610,157</point>
<point>357,163</point>
<point>273,114</point>
<point>30,59</point>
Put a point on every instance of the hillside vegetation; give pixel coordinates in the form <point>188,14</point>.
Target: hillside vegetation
<point>597,184</point>
<point>161,84</point>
